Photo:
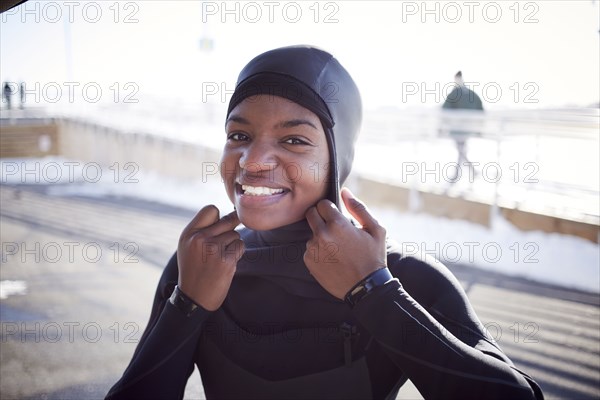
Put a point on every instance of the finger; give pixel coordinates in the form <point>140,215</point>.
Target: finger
<point>329,211</point>
<point>359,211</point>
<point>225,224</point>
<point>226,238</point>
<point>235,249</point>
<point>207,216</point>
<point>315,221</point>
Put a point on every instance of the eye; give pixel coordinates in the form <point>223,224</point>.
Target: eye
<point>296,141</point>
<point>237,137</point>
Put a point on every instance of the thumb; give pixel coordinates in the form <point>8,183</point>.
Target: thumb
<point>359,210</point>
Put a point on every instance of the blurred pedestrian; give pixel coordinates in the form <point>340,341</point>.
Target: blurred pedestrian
<point>462,98</point>
<point>22,95</point>
<point>7,94</point>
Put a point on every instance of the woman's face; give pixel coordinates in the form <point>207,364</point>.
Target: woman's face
<point>274,164</point>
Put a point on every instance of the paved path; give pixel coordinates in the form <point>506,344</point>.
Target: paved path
<point>91,267</point>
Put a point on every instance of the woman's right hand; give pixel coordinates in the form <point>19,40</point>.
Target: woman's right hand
<point>207,255</point>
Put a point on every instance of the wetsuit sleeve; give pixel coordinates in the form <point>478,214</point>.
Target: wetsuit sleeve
<point>164,358</point>
<point>438,341</point>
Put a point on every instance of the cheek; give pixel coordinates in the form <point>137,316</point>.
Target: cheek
<point>324,172</point>
<point>294,173</point>
<point>227,169</point>
<point>312,176</point>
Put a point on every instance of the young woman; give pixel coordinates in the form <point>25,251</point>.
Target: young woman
<point>301,302</point>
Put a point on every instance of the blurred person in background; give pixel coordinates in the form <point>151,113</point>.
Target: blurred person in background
<point>462,98</point>
<point>7,94</point>
<point>302,302</point>
<point>22,95</point>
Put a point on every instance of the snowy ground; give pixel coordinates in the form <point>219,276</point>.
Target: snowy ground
<point>552,258</point>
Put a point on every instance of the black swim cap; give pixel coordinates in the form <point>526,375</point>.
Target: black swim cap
<point>315,80</point>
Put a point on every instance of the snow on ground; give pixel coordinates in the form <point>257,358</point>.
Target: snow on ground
<point>552,258</point>
<point>542,174</point>
<point>559,259</point>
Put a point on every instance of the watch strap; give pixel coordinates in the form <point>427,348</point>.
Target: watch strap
<point>181,301</point>
<point>372,281</point>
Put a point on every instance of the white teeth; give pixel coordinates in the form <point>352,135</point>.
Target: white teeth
<point>260,190</point>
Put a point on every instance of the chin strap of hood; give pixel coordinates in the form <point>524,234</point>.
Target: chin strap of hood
<point>315,80</point>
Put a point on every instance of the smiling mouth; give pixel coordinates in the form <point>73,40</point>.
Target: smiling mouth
<point>260,190</point>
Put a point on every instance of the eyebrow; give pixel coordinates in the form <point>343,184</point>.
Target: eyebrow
<point>295,122</point>
<point>284,124</point>
<point>238,119</point>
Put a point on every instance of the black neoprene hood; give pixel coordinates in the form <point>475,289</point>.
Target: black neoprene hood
<point>314,79</point>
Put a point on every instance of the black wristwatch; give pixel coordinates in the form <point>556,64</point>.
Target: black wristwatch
<point>183,302</point>
<point>367,285</point>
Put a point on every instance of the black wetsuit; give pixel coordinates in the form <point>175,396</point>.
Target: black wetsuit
<point>279,335</point>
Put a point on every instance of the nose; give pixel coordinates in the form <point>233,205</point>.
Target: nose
<point>258,156</point>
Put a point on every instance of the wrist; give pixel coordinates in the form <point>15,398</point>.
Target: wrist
<point>183,302</point>
<point>365,286</point>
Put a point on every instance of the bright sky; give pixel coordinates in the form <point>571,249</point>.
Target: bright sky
<point>400,53</point>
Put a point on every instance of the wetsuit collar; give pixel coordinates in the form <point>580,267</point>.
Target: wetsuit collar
<point>297,232</point>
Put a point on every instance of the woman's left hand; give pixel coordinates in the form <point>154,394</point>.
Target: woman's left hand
<point>340,254</point>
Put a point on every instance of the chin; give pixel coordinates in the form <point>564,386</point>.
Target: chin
<point>264,223</point>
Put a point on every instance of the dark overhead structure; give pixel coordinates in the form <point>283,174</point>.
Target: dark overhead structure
<point>8,4</point>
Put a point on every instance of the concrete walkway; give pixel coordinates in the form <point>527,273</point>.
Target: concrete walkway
<point>90,266</point>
